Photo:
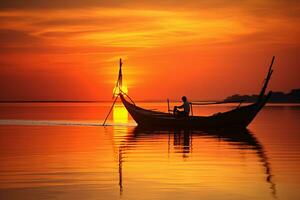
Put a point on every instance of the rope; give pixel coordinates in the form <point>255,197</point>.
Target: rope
<point>121,91</point>
<point>211,103</point>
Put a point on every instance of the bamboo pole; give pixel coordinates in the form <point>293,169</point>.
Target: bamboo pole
<point>110,110</point>
<point>168,105</point>
<point>270,71</point>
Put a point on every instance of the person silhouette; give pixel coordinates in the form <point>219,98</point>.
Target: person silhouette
<point>185,106</point>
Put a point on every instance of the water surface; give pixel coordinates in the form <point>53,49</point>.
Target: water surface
<point>61,151</point>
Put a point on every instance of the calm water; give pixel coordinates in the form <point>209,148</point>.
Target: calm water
<point>59,151</point>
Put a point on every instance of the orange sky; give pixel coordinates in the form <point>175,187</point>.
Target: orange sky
<point>69,50</point>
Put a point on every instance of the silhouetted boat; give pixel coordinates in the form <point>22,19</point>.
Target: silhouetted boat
<point>237,118</point>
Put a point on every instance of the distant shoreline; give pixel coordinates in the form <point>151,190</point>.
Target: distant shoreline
<point>277,97</point>
<point>293,97</point>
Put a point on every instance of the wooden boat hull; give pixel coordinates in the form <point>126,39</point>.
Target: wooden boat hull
<point>238,118</point>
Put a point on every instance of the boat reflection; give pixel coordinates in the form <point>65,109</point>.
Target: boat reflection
<point>183,143</point>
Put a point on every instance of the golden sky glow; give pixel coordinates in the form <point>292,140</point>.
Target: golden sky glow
<point>54,50</point>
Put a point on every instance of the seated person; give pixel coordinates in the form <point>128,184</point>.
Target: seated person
<point>185,106</point>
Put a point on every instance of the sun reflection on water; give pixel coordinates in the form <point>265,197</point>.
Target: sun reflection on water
<point>120,114</point>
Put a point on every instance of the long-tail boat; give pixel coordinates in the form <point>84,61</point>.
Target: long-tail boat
<point>238,118</point>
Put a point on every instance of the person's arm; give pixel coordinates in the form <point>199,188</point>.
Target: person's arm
<point>182,106</point>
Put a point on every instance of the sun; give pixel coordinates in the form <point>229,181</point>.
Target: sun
<point>124,89</point>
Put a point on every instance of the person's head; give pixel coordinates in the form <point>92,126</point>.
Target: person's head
<point>183,98</point>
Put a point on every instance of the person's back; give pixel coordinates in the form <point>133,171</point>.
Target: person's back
<point>186,107</point>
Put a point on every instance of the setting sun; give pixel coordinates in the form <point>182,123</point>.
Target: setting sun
<point>116,90</point>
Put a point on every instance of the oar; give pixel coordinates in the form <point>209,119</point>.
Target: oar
<point>110,110</point>
<point>168,105</point>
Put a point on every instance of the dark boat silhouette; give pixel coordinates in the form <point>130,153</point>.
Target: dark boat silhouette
<point>238,118</point>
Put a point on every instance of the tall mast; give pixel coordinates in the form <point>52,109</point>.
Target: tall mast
<point>120,75</point>
<point>263,90</point>
<point>118,86</point>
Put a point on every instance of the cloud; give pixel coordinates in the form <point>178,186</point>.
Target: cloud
<point>64,35</point>
<point>17,38</point>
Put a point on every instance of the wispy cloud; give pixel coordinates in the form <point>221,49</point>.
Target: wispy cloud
<point>91,35</point>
